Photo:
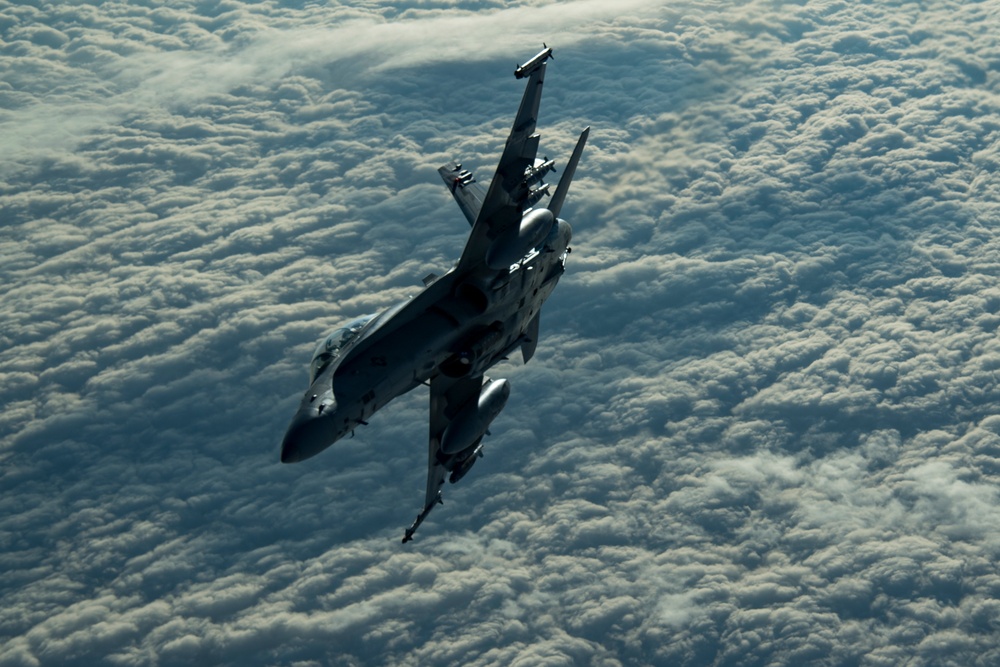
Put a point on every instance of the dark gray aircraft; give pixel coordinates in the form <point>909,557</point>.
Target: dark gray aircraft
<point>462,323</point>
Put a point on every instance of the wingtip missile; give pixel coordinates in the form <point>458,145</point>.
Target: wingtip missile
<point>408,534</point>
<point>527,68</point>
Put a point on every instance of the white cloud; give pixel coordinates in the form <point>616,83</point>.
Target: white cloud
<point>171,61</point>
<point>762,423</point>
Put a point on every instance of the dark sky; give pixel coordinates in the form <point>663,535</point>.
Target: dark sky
<point>762,426</point>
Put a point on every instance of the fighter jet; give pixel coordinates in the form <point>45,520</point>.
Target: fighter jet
<point>462,323</point>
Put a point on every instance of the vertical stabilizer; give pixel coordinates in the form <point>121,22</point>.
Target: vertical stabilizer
<point>555,205</point>
<point>529,339</point>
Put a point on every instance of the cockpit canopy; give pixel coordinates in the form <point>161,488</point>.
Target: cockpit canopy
<point>330,347</point>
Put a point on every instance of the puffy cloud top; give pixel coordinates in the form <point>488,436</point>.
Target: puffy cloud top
<point>762,426</point>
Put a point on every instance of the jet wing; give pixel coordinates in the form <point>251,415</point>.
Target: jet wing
<point>467,191</point>
<point>504,206</point>
<point>447,396</point>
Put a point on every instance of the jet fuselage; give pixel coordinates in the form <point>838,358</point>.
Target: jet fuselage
<point>459,325</point>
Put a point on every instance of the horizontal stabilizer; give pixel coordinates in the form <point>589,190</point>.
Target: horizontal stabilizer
<point>560,196</point>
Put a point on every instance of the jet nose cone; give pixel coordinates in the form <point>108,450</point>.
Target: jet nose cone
<point>307,435</point>
<point>290,448</point>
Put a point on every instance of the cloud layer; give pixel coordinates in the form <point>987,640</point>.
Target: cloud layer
<point>762,426</point>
